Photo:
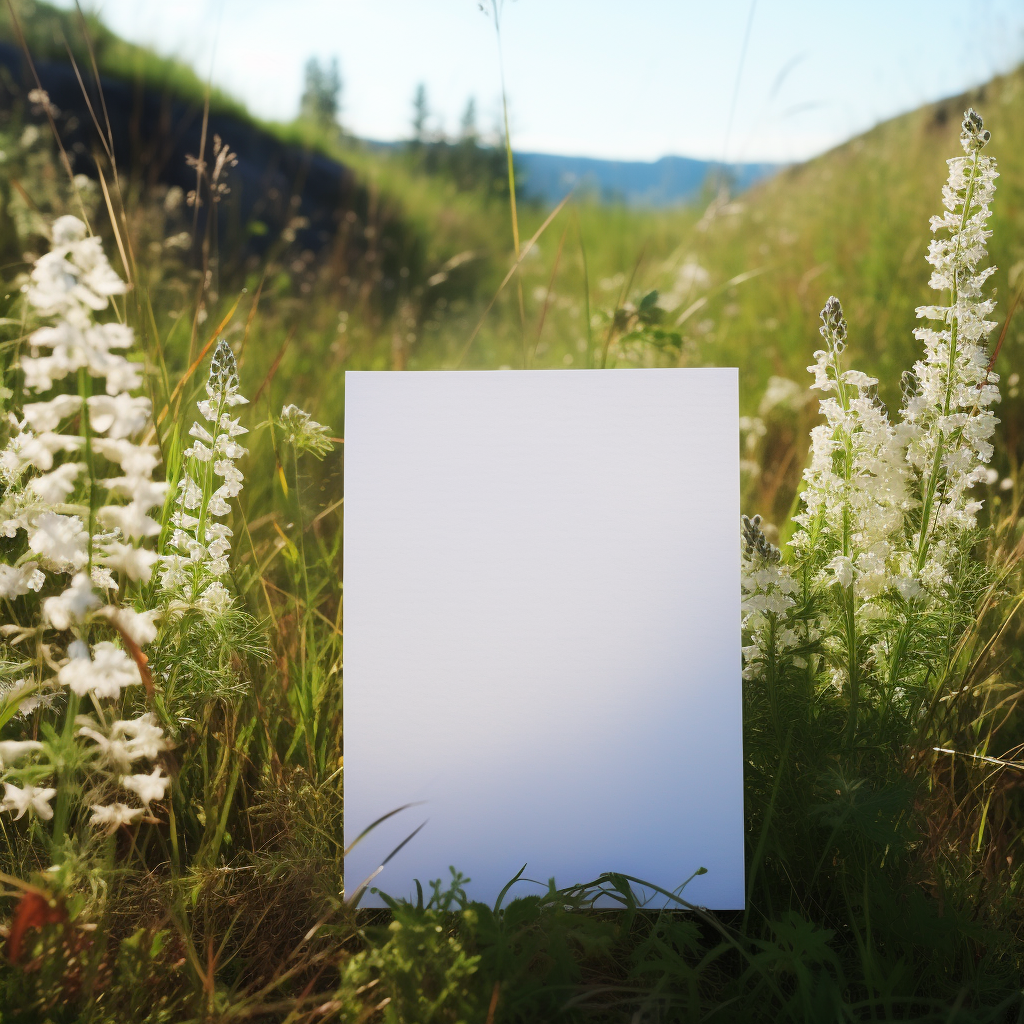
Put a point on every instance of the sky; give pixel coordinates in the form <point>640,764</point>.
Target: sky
<point>733,80</point>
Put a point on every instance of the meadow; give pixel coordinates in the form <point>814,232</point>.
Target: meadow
<point>171,728</point>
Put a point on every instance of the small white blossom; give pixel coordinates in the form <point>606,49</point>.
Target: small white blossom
<point>134,459</point>
<point>18,580</point>
<point>147,787</point>
<point>139,626</point>
<point>103,578</point>
<point>113,816</point>
<point>105,675</point>
<point>43,417</point>
<point>191,571</point>
<point>118,416</point>
<point>130,519</point>
<point>60,541</point>
<point>303,432</point>
<point>73,605</point>
<point>146,737</point>
<point>135,563</point>
<point>55,487</point>
<point>14,750</point>
<point>30,798</point>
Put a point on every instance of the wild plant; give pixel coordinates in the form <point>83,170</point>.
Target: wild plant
<point>313,693</point>
<point>77,496</point>
<point>191,574</point>
<point>881,581</point>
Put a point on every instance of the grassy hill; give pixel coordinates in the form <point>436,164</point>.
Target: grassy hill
<point>740,281</point>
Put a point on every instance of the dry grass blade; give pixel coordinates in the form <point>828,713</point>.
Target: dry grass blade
<point>508,277</point>
<point>626,288</point>
<point>272,372</point>
<point>549,290</point>
<point>26,198</point>
<point>96,76</point>
<point>249,320</point>
<point>108,149</point>
<point>113,224</point>
<point>700,303</point>
<point>1002,762</point>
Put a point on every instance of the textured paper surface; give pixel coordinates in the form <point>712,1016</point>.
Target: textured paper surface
<point>542,641</point>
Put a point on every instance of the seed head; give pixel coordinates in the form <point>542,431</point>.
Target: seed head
<point>755,542</point>
<point>973,134</point>
<point>909,385</point>
<point>223,370</point>
<point>833,326</point>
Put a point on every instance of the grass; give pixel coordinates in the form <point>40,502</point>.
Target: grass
<point>884,878</point>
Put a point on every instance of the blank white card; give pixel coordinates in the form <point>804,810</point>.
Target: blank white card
<point>542,629</point>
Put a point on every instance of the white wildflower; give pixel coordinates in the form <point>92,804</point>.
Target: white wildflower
<point>135,460</point>
<point>74,275</point>
<point>113,816</point>
<point>14,750</point>
<point>30,798</point>
<point>768,591</point>
<point>127,740</point>
<point>73,605</point>
<point>105,675</point>
<point>55,487</point>
<point>134,563</point>
<point>103,578</point>
<point>215,600</point>
<point>138,626</point>
<point>28,450</point>
<point>146,738</point>
<point>841,571</point>
<point>130,519</point>
<point>303,432</point>
<point>18,580</point>
<point>948,420</point>
<point>118,416</point>
<point>24,694</point>
<point>147,787</point>
<point>43,417</point>
<point>192,569</point>
<point>60,541</point>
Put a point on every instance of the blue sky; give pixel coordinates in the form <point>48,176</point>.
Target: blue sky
<point>626,79</point>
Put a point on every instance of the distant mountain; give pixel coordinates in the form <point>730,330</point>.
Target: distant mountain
<point>664,182</point>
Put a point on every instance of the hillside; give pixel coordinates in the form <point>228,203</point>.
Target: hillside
<point>412,259</point>
<point>665,182</point>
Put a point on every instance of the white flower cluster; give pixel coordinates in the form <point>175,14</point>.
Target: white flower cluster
<point>72,281</point>
<point>768,590</point>
<point>887,509</point>
<point>70,284</point>
<point>858,480</point>
<point>303,432</point>
<point>949,396</point>
<point>191,576</point>
<point>116,749</point>
<point>868,477</point>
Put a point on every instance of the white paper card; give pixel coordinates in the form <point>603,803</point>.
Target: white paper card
<point>542,628</point>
